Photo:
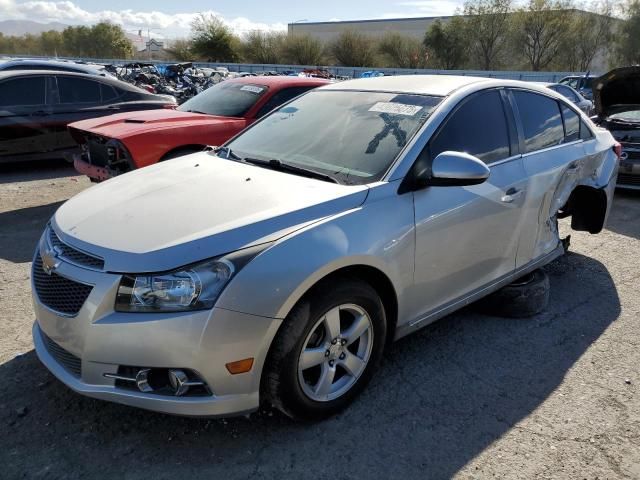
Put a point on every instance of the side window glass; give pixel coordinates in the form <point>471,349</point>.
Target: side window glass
<point>571,124</point>
<point>281,97</point>
<point>478,127</point>
<point>540,117</point>
<point>585,132</point>
<point>108,92</point>
<point>78,90</point>
<point>22,91</point>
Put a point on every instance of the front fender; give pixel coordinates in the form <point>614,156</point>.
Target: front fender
<point>378,234</point>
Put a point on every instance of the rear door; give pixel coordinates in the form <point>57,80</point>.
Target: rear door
<point>25,117</point>
<point>553,152</point>
<point>466,237</point>
<point>78,98</point>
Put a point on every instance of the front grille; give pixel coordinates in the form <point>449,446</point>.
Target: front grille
<point>69,361</point>
<point>628,179</point>
<point>72,255</point>
<point>58,293</point>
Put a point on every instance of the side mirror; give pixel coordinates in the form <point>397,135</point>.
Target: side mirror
<point>453,169</point>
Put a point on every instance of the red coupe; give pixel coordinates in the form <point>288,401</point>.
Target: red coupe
<point>119,143</point>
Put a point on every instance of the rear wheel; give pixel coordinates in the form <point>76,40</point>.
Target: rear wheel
<point>326,350</point>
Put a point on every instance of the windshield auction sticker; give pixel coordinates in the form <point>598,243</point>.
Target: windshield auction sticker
<point>396,108</point>
<point>252,89</point>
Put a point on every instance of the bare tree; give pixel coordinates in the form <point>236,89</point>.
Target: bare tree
<point>403,51</point>
<point>302,50</point>
<point>628,42</point>
<point>539,31</point>
<point>353,49</point>
<point>487,29</point>
<point>180,50</point>
<point>263,47</point>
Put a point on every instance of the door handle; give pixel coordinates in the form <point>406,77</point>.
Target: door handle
<point>511,194</point>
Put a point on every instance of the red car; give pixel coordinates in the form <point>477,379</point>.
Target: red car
<point>119,143</point>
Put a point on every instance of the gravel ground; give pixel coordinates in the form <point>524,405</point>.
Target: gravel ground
<point>472,396</point>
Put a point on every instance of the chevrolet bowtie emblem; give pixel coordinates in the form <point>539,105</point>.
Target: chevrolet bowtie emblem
<point>50,260</point>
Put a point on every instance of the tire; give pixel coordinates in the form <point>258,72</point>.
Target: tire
<point>525,297</point>
<point>300,391</point>
<point>180,152</point>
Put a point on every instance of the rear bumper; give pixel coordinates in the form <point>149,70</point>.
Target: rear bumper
<point>85,168</point>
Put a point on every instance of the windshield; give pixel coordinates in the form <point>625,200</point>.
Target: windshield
<point>227,99</point>
<point>351,136</point>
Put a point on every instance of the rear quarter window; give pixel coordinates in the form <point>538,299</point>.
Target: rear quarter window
<point>541,120</point>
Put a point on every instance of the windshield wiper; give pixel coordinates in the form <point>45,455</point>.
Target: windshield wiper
<point>286,167</point>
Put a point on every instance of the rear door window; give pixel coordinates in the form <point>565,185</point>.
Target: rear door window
<point>477,127</point>
<point>571,124</point>
<point>541,120</point>
<point>108,92</point>
<point>23,91</point>
<point>78,90</point>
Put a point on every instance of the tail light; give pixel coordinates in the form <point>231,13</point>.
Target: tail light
<point>618,149</point>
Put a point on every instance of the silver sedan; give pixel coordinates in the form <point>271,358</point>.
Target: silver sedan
<point>278,267</point>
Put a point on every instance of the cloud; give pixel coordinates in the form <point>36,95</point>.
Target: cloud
<point>172,24</point>
<point>426,8</point>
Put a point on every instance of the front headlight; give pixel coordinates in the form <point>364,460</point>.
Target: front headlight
<point>195,287</point>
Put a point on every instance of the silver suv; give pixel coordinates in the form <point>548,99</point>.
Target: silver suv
<point>279,266</point>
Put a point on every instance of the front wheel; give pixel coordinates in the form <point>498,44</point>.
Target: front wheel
<point>326,350</point>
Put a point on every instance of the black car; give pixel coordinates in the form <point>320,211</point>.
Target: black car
<point>37,105</point>
<point>616,96</point>
<point>57,65</point>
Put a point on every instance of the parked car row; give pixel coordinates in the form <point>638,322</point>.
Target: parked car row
<point>333,219</point>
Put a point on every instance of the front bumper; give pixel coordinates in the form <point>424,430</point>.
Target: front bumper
<point>92,171</point>
<point>103,340</point>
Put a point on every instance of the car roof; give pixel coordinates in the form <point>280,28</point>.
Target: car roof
<point>44,63</point>
<point>281,81</point>
<point>96,78</point>
<point>439,85</point>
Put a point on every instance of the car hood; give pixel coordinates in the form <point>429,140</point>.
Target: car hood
<point>192,208</point>
<point>617,91</point>
<point>123,125</point>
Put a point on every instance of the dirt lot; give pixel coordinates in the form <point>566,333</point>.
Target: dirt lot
<point>556,396</point>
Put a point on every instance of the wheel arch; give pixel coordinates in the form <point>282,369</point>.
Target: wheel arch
<point>587,207</point>
<point>186,148</point>
<point>370,274</point>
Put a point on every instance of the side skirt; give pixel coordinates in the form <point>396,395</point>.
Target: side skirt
<point>477,294</point>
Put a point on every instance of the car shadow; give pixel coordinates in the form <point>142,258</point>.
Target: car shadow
<point>440,398</point>
<point>37,170</point>
<point>625,216</point>
<point>20,231</point>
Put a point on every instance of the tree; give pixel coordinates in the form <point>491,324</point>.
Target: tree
<point>213,40</point>
<point>628,42</point>
<point>302,50</point>
<point>539,30</point>
<point>263,47</point>
<point>109,41</point>
<point>51,43</point>
<point>588,34</point>
<point>447,43</point>
<point>181,50</point>
<point>402,51</point>
<point>487,30</point>
<point>353,49</point>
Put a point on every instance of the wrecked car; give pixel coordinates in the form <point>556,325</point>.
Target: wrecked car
<point>617,103</point>
<point>278,267</point>
<point>121,143</point>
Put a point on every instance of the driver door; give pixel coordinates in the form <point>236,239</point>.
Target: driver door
<point>467,237</point>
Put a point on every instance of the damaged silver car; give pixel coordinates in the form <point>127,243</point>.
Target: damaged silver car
<point>278,268</point>
<point>617,103</point>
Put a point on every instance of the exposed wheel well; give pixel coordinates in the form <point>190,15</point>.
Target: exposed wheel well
<point>587,207</point>
<point>182,150</point>
<point>381,284</point>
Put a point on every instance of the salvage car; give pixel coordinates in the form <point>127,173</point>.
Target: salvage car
<point>37,105</point>
<point>121,143</point>
<point>566,91</point>
<point>582,83</point>
<point>617,103</point>
<point>54,65</point>
<point>279,266</point>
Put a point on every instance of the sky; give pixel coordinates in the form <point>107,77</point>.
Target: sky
<point>171,19</point>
